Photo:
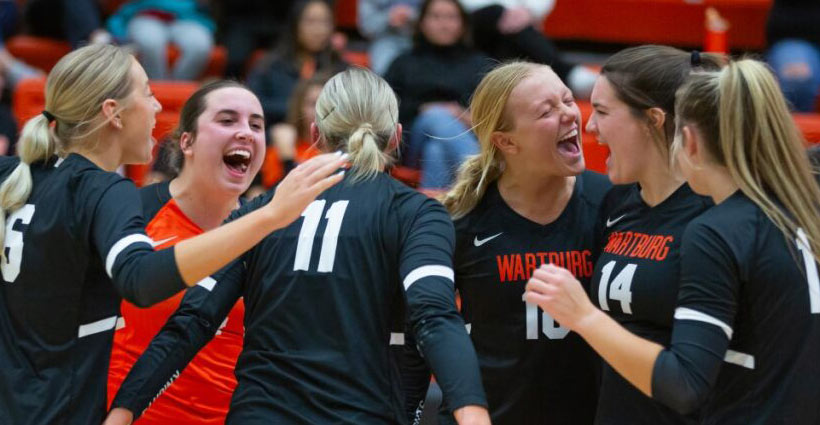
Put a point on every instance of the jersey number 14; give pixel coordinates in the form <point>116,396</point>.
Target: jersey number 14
<point>304,248</point>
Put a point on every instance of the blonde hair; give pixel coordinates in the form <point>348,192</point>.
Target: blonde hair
<point>489,114</point>
<point>746,126</point>
<point>75,91</point>
<point>357,112</point>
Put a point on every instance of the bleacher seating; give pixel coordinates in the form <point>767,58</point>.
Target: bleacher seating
<point>44,53</point>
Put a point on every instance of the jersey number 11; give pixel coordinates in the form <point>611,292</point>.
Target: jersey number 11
<point>304,248</point>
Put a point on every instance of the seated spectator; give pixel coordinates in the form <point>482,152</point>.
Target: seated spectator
<point>247,25</point>
<point>434,82</point>
<point>78,22</point>
<point>152,24</point>
<point>289,142</point>
<point>304,49</point>
<point>388,25</point>
<point>508,29</point>
<point>793,35</point>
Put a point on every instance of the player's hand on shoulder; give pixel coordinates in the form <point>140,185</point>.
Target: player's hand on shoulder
<point>561,295</point>
<point>303,184</point>
<point>472,415</point>
<point>119,416</point>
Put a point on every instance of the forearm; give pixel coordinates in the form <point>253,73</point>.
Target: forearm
<point>452,358</point>
<point>632,356</point>
<point>203,255</point>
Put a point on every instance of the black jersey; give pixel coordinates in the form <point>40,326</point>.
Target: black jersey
<point>747,288</point>
<point>80,230</point>
<point>534,371</point>
<point>154,197</point>
<point>321,296</point>
<point>636,282</point>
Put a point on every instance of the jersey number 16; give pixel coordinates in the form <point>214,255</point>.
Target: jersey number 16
<point>13,246</point>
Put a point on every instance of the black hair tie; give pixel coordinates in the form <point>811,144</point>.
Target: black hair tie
<point>48,116</point>
<point>695,59</point>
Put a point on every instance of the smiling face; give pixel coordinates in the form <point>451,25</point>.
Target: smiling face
<point>138,119</point>
<point>229,145</point>
<point>545,137</point>
<point>614,124</point>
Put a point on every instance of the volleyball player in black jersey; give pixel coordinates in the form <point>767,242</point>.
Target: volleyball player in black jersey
<point>635,275</point>
<point>746,335</point>
<point>73,238</point>
<point>321,295</point>
<point>523,201</point>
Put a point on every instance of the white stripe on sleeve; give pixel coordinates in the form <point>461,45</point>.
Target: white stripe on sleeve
<point>207,283</point>
<point>96,327</point>
<point>740,359</point>
<point>428,271</point>
<point>683,313</point>
<point>120,246</point>
<point>396,338</point>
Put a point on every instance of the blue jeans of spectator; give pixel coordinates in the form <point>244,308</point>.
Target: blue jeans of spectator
<point>800,88</point>
<point>152,36</point>
<point>438,144</point>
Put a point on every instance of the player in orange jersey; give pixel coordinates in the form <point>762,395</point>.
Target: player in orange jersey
<point>218,149</point>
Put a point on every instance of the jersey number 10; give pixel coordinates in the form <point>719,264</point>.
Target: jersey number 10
<point>304,248</point>
<point>548,324</point>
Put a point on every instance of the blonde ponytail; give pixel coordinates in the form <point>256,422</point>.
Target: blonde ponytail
<point>489,114</point>
<point>36,144</point>
<point>474,175</point>
<point>366,157</point>
<point>75,90</point>
<point>356,112</point>
<point>748,129</point>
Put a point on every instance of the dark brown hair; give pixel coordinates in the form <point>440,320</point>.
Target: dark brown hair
<point>193,108</point>
<point>648,76</point>
<point>465,22</point>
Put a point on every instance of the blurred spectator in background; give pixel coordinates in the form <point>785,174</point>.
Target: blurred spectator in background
<point>388,25</point>
<point>509,29</point>
<point>165,166</point>
<point>289,142</point>
<point>247,25</point>
<point>814,157</point>
<point>12,70</point>
<point>303,49</point>
<point>152,24</point>
<point>793,36</point>
<point>434,82</point>
<point>78,22</point>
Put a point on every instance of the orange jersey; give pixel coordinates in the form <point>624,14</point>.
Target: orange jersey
<point>202,393</point>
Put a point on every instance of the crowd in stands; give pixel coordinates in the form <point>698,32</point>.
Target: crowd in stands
<point>432,52</point>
